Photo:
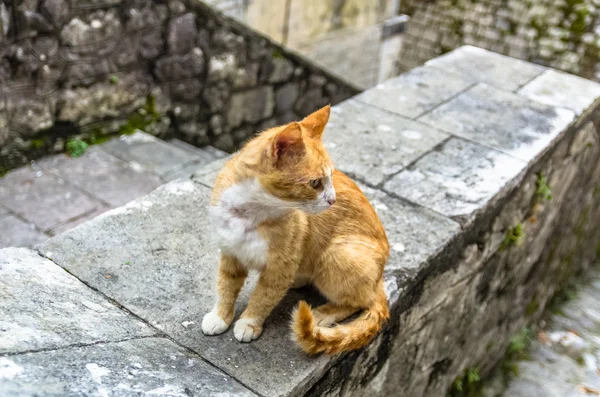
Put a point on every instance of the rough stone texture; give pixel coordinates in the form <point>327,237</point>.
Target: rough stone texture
<point>102,175</point>
<point>457,179</point>
<point>564,357</point>
<point>16,233</point>
<point>151,366</point>
<point>559,89</point>
<point>95,67</point>
<point>372,144</point>
<point>495,69</point>
<point>416,92</point>
<point>560,34</point>
<point>42,198</point>
<point>480,114</point>
<point>44,307</point>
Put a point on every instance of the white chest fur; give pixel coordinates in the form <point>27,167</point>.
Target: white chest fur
<point>241,208</point>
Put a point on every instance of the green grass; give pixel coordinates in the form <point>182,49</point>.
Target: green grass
<point>76,147</point>
<point>513,236</point>
<point>543,191</point>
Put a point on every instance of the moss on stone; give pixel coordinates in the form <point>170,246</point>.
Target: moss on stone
<point>543,191</point>
<point>518,345</point>
<point>513,237</point>
<point>38,143</point>
<point>467,385</point>
<point>276,53</point>
<point>142,119</point>
<point>532,307</point>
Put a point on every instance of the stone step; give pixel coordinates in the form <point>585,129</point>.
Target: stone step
<point>453,172</point>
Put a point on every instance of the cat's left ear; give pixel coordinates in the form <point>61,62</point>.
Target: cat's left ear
<point>315,122</point>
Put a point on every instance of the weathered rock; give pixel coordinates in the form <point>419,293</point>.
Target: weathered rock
<point>310,100</point>
<point>277,70</point>
<point>16,233</point>
<point>5,20</point>
<point>47,308</point>
<point>145,16</point>
<point>216,124</point>
<point>285,97</point>
<point>98,26</point>
<point>181,34</point>
<point>186,90</point>
<point>216,96</point>
<point>29,115</point>
<point>57,11</point>
<point>250,106</point>
<point>151,44</point>
<point>177,67</point>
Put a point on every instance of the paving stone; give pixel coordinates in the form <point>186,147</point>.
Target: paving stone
<point>165,240</point>
<point>207,174</point>
<point>413,93</point>
<point>488,67</point>
<point>502,120</point>
<point>112,180</point>
<point>43,199</point>
<point>216,153</point>
<point>3,210</point>
<point>456,180</point>
<point>141,367</point>
<point>562,89</point>
<point>44,307</point>
<point>77,221</point>
<point>205,156</point>
<point>16,233</point>
<point>150,153</point>
<point>371,144</point>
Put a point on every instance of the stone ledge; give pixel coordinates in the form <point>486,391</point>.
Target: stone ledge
<point>457,290</point>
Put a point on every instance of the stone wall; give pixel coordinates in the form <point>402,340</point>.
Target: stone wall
<point>563,34</point>
<point>344,36</point>
<point>91,68</point>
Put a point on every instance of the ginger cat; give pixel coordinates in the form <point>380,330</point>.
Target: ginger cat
<point>280,208</point>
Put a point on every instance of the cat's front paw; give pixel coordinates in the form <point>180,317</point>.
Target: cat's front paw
<point>212,324</point>
<point>247,329</point>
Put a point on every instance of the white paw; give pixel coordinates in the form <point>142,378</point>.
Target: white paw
<point>212,324</point>
<point>246,329</point>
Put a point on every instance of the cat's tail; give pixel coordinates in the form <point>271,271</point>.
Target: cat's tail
<point>343,337</point>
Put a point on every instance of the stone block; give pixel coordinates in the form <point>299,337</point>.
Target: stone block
<point>177,67</point>
<point>149,153</point>
<point>42,198</point>
<point>93,27</point>
<point>372,144</point>
<point>250,106</point>
<point>47,308</point>
<point>181,34</point>
<point>415,92</point>
<point>149,366</point>
<point>457,180</point>
<point>16,233</point>
<point>488,67</point>
<point>108,178</point>
<point>502,120</point>
<point>564,90</point>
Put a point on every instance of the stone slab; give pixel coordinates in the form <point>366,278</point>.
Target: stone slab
<point>562,89</point>
<point>44,307</point>
<point>77,221</point>
<point>488,67</point>
<point>456,180</point>
<point>151,154</point>
<point>110,179</point>
<point>43,199</point>
<point>371,144</point>
<point>3,210</point>
<point>207,174</point>
<point>414,93</point>
<point>165,240</point>
<point>201,151</point>
<point>141,367</point>
<point>502,120</point>
<point>16,233</point>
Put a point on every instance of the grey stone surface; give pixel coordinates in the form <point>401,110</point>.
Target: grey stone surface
<point>561,89</point>
<point>488,67</point>
<point>106,177</point>
<point>151,154</point>
<point>207,174</point>
<point>165,240</point>
<point>16,233</point>
<point>372,144</point>
<point>250,106</point>
<point>44,307</point>
<point>413,93</point>
<point>564,359</point>
<point>142,367</point>
<point>456,180</point>
<point>77,221</point>
<point>502,120</point>
<point>43,199</point>
<point>3,210</point>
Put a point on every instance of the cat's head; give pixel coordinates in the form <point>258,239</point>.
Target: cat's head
<point>300,169</point>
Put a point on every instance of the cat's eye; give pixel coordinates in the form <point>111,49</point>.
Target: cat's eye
<point>315,183</point>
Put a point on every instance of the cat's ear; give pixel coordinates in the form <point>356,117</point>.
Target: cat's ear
<point>288,142</point>
<point>315,122</point>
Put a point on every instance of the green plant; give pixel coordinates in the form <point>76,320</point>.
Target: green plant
<point>513,236</point>
<point>142,119</point>
<point>76,147</point>
<point>467,385</point>
<point>518,345</point>
<point>113,79</point>
<point>543,190</point>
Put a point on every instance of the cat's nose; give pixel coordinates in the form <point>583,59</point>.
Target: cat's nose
<point>331,201</point>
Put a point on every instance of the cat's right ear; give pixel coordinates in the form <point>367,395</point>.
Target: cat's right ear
<point>288,142</point>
